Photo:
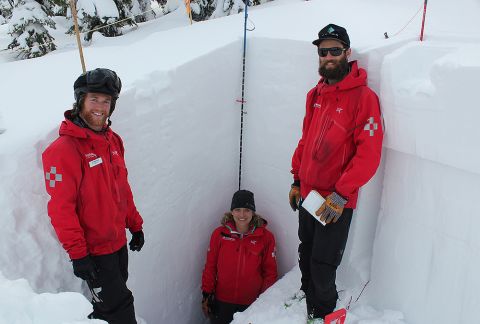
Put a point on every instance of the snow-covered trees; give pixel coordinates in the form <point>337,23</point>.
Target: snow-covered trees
<point>202,9</point>
<point>31,20</point>
<point>144,10</point>
<point>30,38</point>
<point>6,7</point>
<point>95,14</point>
<point>209,9</point>
<point>108,16</point>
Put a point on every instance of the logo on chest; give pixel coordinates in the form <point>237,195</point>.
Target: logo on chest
<point>93,159</point>
<point>89,156</point>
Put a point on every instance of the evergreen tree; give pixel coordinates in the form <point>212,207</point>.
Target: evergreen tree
<point>6,7</point>
<point>145,11</point>
<point>208,9</point>
<point>227,7</point>
<point>30,38</point>
<point>126,10</point>
<point>162,4</point>
<point>202,9</point>
<point>97,15</point>
<point>55,7</point>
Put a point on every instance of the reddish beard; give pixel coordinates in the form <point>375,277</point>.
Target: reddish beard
<point>94,122</point>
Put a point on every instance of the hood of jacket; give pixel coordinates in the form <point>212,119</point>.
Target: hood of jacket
<point>355,78</point>
<point>69,128</point>
<point>229,223</point>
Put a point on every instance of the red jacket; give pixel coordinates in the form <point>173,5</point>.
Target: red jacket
<point>342,135</point>
<point>91,202</point>
<point>239,268</point>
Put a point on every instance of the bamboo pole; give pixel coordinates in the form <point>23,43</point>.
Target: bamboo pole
<point>77,33</point>
<point>189,10</point>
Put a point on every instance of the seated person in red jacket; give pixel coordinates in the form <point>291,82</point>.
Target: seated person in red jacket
<point>241,262</point>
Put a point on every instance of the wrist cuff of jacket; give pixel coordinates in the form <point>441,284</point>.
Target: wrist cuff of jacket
<point>338,200</point>
<point>296,183</point>
<point>81,259</point>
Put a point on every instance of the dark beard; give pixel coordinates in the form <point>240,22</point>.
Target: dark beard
<point>338,73</point>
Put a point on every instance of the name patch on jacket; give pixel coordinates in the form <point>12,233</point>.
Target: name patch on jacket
<point>95,162</point>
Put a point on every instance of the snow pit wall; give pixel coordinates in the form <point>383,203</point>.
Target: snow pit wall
<point>181,138</point>
<point>277,83</point>
<point>425,253</point>
<point>420,251</point>
<point>426,256</point>
<point>182,146</point>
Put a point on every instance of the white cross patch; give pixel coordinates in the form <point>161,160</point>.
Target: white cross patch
<point>371,126</point>
<point>53,177</point>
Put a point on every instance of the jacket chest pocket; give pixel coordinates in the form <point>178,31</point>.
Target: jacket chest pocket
<point>118,165</point>
<point>120,182</point>
<point>255,250</point>
<point>331,139</point>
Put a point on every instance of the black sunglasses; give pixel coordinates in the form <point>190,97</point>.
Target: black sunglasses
<point>334,51</point>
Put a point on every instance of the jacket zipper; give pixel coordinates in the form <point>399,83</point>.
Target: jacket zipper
<point>239,266</point>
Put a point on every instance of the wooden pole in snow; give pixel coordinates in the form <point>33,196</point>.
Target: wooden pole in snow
<point>189,10</point>
<point>423,20</point>
<point>77,33</point>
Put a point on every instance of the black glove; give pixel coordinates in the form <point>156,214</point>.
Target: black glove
<point>85,268</point>
<point>137,241</point>
<point>207,303</point>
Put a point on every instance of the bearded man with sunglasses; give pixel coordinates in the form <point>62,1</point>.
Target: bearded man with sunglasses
<point>339,152</point>
<point>91,203</point>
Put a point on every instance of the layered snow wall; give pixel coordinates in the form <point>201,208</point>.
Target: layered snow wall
<point>426,256</point>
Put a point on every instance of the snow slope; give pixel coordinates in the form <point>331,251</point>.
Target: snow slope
<point>413,232</point>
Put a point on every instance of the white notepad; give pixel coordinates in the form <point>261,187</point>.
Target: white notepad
<point>312,203</point>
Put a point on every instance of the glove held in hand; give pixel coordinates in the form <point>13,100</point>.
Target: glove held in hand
<point>294,197</point>
<point>207,303</point>
<point>332,208</point>
<point>137,241</point>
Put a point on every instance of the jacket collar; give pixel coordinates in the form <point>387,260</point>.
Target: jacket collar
<point>232,229</point>
<point>76,127</point>
<point>355,78</point>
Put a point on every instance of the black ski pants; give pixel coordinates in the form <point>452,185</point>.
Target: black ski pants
<point>320,253</point>
<point>223,312</point>
<point>112,300</point>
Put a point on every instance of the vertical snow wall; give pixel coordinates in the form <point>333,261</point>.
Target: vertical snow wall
<point>181,133</point>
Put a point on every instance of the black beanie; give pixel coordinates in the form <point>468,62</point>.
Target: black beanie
<point>243,199</point>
